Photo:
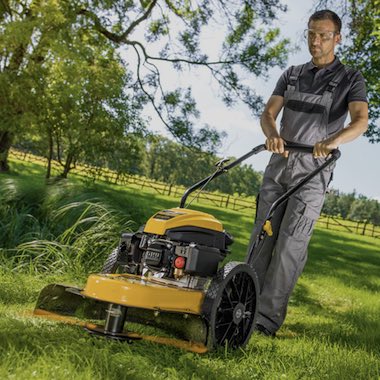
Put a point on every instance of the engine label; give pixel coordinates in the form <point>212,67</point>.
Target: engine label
<point>153,255</point>
<point>166,215</point>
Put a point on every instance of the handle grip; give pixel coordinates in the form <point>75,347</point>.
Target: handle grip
<point>293,147</point>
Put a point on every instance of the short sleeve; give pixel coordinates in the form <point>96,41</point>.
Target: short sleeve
<point>357,92</point>
<point>282,83</point>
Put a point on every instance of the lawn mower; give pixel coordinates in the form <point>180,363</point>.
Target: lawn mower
<point>169,275</point>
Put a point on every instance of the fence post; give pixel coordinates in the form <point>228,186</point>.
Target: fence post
<point>364,227</point>
<point>327,222</point>
<point>170,189</point>
<point>227,200</point>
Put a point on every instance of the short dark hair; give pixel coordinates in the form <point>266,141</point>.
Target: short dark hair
<point>326,14</point>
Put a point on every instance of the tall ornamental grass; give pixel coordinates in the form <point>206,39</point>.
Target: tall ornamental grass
<point>57,227</point>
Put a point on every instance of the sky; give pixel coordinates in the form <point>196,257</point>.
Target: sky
<point>356,169</point>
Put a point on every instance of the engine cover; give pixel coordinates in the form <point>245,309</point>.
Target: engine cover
<point>165,220</point>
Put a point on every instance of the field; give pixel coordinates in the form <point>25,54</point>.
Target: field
<point>332,330</point>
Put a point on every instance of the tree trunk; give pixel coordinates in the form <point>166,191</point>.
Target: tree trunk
<point>5,144</point>
<point>67,167</point>
<point>50,156</point>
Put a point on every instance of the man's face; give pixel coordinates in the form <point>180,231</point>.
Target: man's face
<point>322,39</point>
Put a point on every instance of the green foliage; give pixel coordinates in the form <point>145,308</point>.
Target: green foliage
<point>80,103</point>
<point>67,92</point>
<point>169,162</point>
<point>352,206</point>
<point>365,210</point>
<point>361,50</point>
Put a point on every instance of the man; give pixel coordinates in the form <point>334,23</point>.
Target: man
<point>315,98</point>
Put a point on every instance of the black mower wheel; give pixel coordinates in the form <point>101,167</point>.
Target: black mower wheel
<point>230,305</point>
<point>111,264</point>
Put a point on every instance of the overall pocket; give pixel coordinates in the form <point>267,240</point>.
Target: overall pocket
<point>307,217</point>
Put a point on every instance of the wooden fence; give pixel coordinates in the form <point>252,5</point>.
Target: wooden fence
<point>245,205</point>
<point>142,183</point>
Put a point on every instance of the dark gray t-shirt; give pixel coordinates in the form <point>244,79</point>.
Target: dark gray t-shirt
<point>315,81</point>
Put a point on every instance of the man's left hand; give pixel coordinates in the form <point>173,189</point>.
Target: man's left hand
<point>323,148</point>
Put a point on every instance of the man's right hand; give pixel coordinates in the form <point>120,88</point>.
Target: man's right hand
<point>276,145</point>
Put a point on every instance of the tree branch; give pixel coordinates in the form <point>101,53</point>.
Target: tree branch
<point>122,38</point>
<point>179,60</point>
<point>147,93</point>
<point>139,20</point>
<point>118,38</point>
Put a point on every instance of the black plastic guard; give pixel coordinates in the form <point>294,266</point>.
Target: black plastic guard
<point>66,300</point>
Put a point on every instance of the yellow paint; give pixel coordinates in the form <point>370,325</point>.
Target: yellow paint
<point>180,217</point>
<point>134,291</point>
<point>198,348</point>
<point>62,318</point>
<point>268,228</point>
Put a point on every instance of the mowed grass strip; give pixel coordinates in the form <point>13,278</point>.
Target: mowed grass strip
<point>332,330</point>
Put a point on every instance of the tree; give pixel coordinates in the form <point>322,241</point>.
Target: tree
<point>362,50</point>
<point>169,162</point>
<point>330,205</point>
<point>174,35</point>
<point>15,34</point>
<point>89,110</point>
<point>79,108</point>
<point>338,203</point>
<point>250,46</point>
<point>365,210</point>
<point>352,206</point>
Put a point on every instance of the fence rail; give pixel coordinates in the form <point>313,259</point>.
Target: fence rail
<point>242,204</point>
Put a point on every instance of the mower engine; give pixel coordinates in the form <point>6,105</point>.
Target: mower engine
<point>177,245</point>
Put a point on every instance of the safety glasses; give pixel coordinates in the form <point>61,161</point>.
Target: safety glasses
<point>312,34</point>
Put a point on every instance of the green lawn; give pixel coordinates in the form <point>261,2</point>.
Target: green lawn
<point>332,330</point>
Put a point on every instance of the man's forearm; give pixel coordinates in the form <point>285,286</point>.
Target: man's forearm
<point>352,131</point>
<point>274,142</point>
<point>357,126</point>
<point>268,125</point>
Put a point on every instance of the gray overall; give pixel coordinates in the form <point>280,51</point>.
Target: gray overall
<point>282,259</point>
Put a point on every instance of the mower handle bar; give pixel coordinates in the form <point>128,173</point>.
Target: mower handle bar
<point>334,155</point>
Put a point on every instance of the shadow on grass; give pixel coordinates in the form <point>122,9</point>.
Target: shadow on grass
<point>353,261</point>
<point>355,328</point>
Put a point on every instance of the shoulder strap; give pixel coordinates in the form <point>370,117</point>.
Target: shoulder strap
<point>339,75</point>
<point>294,74</point>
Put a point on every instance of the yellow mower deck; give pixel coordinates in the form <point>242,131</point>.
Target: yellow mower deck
<point>165,306</point>
<point>135,291</point>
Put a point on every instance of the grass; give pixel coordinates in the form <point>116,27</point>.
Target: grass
<point>332,330</point>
